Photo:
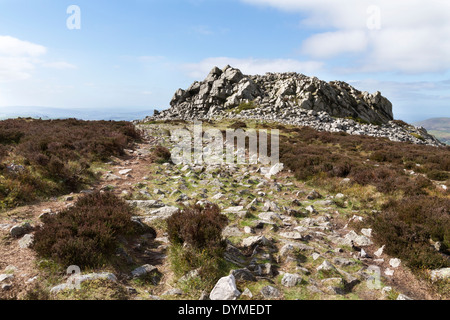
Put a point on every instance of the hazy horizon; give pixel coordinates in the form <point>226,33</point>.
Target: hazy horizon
<point>125,114</point>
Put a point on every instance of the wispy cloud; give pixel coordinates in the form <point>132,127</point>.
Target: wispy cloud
<point>60,65</point>
<point>19,59</point>
<point>414,35</point>
<point>202,30</point>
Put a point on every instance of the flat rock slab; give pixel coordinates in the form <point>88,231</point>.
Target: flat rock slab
<point>74,281</point>
<point>125,171</point>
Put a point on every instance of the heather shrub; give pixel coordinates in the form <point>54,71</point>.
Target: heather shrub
<point>197,226</point>
<point>438,175</point>
<point>196,236</point>
<point>238,125</point>
<point>406,227</point>
<point>161,155</point>
<point>56,155</point>
<point>85,234</point>
<point>310,154</point>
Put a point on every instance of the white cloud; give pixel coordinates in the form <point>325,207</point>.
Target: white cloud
<point>13,47</point>
<point>414,35</point>
<point>18,59</point>
<point>252,66</point>
<point>329,44</point>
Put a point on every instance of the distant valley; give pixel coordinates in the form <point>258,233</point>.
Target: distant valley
<point>439,127</point>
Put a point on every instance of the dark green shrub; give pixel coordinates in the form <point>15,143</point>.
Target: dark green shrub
<point>85,234</point>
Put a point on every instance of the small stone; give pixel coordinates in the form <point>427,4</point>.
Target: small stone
<point>379,252</point>
<point>173,292</point>
<point>326,266</point>
<point>256,240</point>
<point>125,171</point>
<point>291,235</point>
<point>248,230</point>
<point>389,272</point>
<point>386,290</point>
<point>403,297</point>
<point>313,195</point>
<point>362,241</point>
<point>395,263</point>
<point>143,270</point>
<point>291,280</point>
<point>333,285</point>
<point>247,293</point>
<point>6,287</point>
<point>367,232</point>
<point>234,209</point>
<point>26,241</point>
<point>363,253</point>
<point>6,277</point>
<point>243,274</point>
<point>131,290</point>
<point>270,292</point>
<point>20,230</point>
<point>311,209</point>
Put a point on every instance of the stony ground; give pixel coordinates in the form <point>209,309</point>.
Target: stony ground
<point>286,240</point>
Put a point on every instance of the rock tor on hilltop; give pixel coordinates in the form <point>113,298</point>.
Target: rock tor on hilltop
<point>293,99</point>
<point>227,88</point>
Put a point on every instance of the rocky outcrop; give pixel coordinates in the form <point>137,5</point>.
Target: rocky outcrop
<point>228,88</point>
<point>294,99</point>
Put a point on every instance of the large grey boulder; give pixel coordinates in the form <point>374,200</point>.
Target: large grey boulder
<point>225,289</point>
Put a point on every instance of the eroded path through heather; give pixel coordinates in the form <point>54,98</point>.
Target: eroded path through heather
<point>285,234</point>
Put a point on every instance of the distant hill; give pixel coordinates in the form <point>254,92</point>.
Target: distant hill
<point>439,127</point>
<point>83,114</point>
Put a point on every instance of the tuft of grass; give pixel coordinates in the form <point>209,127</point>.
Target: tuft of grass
<point>245,106</point>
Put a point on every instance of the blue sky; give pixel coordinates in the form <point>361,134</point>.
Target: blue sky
<point>133,55</point>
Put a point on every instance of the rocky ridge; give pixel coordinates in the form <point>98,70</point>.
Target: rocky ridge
<point>293,99</point>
